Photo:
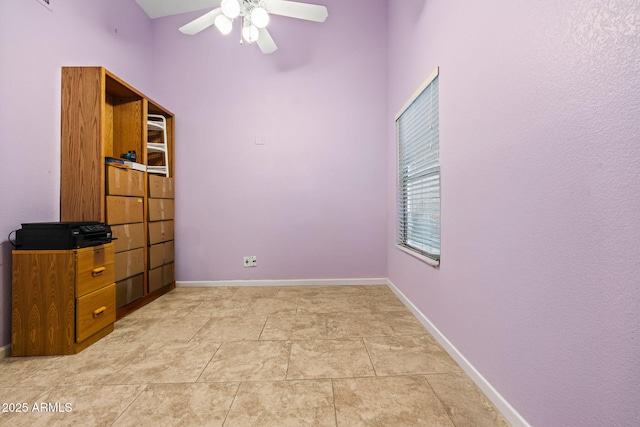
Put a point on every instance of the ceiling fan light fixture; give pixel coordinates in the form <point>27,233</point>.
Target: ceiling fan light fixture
<point>231,8</point>
<point>250,33</point>
<point>223,24</point>
<point>259,17</point>
<point>253,17</point>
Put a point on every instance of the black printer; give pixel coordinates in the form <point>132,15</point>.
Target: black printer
<point>62,235</point>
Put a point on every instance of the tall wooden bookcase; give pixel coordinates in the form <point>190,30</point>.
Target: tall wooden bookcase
<point>102,116</point>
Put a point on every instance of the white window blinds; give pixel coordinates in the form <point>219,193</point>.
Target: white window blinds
<point>418,140</point>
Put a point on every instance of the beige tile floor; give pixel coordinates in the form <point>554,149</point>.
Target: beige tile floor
<point>252,356</point>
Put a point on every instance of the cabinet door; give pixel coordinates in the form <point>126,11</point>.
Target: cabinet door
<point>43,296</point>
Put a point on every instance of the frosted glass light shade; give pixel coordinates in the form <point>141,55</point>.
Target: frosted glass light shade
<point>223,24</point>
<point>259,17</point>
<point>250,33</point>
<point>231,8</point>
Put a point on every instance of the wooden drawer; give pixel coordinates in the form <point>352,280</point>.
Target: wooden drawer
<point>124,210</point>
<point>167,274</point>
<point>160,187</point>
<point>129,263</point>
<point>124,182</point>
<point>155,279</point>
<point>159,254</point>
<point>95,268</point>
<point>161,276</point>
<point>160,209</point>
<point>160,231</point>
<point>129,290</point>
<point>95,311</point>
<point>129,236</point>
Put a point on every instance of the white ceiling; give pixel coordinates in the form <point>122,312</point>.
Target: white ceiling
<point>159,8</point>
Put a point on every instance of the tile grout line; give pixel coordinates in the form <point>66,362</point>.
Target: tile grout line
<point>349,304</point>
<point>384,317</point>
<point>263,326</point>
<point>326,326</point>
<point>208,363</point>
<point>232,402</point>
<point>369,356</point>
<point>426,380</point>
<point>335,406</point>
<point>286,372</point>
<point>130,403</point>
<point>198,331</point>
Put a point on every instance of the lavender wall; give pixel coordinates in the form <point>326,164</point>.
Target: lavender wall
<point>539,117</point>
<point>34,44</point>
<point>539,123</point>
<point>310,203</point>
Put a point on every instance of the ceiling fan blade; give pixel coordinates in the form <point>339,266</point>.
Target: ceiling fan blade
<point>292,9</point>
<point>199,24</point>
<point>265,41</point>
<point>160,8</point>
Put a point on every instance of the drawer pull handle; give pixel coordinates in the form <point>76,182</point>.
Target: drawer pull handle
<point>99,311</point>
<point>97,271</point>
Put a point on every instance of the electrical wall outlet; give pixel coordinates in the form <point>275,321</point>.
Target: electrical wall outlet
<point>250,261</point>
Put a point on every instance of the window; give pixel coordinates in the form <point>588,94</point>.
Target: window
<point>418,141</point>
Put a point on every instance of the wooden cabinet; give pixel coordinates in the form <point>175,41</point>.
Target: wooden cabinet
<point>102,116</point>
<point>125,211</point>
<point>62,301</point>
<point>160,220</point>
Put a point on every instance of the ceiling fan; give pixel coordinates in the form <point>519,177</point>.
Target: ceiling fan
<point>254,17</point>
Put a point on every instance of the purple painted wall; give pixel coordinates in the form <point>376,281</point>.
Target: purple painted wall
<point>34,44</point>
<point>539,118</point>
<point>310,203</point>
<point>539,127</point>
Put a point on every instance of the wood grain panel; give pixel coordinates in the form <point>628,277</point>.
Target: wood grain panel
<point>82,156</point>
<point>120,88</point>
<point>145,132</point>
<point>43,295</point>
<point>107,130</point>
<point>127,127</point>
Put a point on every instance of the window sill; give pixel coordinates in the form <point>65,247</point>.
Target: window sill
<point>427,260</point>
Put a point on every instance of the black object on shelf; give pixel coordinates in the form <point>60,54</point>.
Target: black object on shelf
<point>62,235</point>
<point>129,155</point>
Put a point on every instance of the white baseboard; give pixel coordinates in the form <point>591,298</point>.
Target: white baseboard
<point>492,394</point>
<point>5,351</point>
<point>288,282</point>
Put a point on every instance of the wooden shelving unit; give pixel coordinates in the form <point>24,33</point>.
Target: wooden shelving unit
<point>103,116</point>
